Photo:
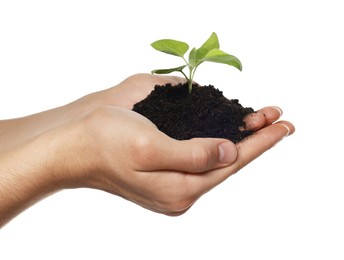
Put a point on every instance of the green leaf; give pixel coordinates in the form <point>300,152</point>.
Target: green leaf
<point>209,51</point>
<point>172,47</point>
<point>192,57</point>
<point>222,57</point>
<point>210,44</point>
<point>167,71</point>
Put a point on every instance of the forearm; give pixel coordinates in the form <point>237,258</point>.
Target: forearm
<point>25,178</point>
<point>17,131</point>
<point>36,154</point>
<point>36,169</point>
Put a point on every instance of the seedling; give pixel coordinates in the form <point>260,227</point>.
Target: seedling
<point>209,51</point>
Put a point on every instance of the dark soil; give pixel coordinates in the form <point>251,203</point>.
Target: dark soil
<point>203,113</point>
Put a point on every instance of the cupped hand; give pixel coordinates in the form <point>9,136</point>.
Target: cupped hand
<point>137,87</point>
<point>99,142</point>
<point>125,154</point>
<point>134,89</point>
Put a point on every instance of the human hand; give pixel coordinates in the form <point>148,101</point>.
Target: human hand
<point>123,153</point>
<point>131,90</point>
<point>99,142</point>
<point>125,95</point>
<point>137,87</point>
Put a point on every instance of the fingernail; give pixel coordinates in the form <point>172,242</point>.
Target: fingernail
<point>227,152</point>
<point>279,110</point>
<point>288,130</point>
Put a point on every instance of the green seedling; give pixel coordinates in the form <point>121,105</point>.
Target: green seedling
<point>209,51</point>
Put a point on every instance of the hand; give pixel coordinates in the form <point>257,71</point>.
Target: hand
<point>137,87</point>
<point>133,89</point>
<point>124,95</point>
<point>98,142</point>
<point>125,154</point>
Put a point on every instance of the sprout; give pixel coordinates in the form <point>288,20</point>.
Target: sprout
<point>209,51</point>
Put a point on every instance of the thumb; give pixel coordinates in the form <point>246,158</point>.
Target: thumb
<point>195,155</point>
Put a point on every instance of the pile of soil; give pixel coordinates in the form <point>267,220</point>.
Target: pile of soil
<point>203,113</point>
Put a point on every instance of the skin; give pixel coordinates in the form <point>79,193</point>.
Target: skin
<point>98,142</point>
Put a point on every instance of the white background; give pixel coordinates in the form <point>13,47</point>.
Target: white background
<point>288,204</point>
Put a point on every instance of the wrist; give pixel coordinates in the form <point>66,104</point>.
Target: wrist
<point>24,178</point>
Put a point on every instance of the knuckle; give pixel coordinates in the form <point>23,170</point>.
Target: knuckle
<point>200,158</point>
<point>94,119</point>
<point>143,151</point>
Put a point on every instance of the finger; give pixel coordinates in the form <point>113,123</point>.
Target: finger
<point>150,80</point>
<point>271,114</point>
<point>254,121</point>
<point>261,141</point>
<point>194,155</point>
<point>173,80</point>
<point>262,117</point>
<point>248,150</point>
<point>137,87</point>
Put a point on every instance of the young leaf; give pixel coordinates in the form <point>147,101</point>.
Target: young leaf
<point>209,51</point>
<point>192,57</point>
<point>172,47</point>
<point>210,44</point>
<point>167,71</point>
<point>219,56</point>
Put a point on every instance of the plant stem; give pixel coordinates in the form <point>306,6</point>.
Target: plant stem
<point>190,79</point>
<point>190,86</point>
<point>192,74</point>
